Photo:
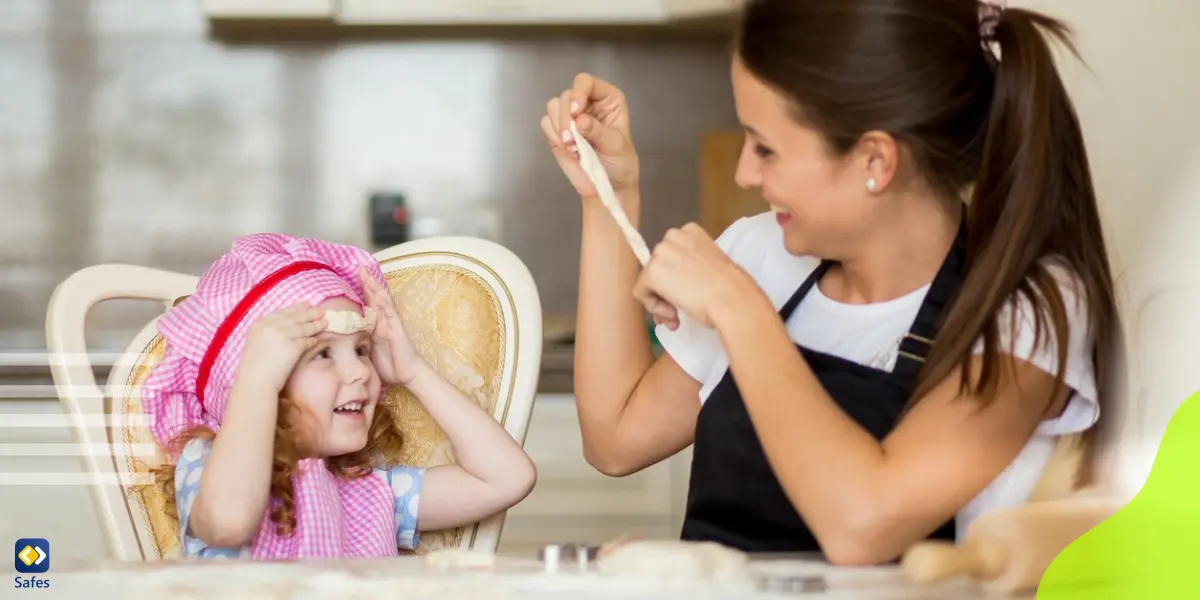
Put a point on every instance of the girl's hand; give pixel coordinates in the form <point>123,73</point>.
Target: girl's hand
<point>599,111</point>
<point>393,353</point>
<point>277,340</point>
<point>688,272</point>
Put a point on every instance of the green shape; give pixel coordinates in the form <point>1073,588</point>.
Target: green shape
<point>1150,549</point>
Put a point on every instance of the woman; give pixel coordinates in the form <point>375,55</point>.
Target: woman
<point>873,362</point>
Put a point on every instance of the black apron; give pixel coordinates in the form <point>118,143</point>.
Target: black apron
<point>733,495</point>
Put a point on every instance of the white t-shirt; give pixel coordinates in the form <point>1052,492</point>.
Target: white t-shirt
<point>870,334</point>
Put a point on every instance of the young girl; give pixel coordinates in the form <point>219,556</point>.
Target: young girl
<point>276,421</point>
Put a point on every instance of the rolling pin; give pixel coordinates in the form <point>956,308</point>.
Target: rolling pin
<point>1010,549</point>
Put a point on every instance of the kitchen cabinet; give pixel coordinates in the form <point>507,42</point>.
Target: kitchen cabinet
<point>269,9</point>
<point>689,9</point>
<point>722,200</point>
<point>497,12</point>
<point>43,491</point>
<point>573,502</point>
<point>349,13</point>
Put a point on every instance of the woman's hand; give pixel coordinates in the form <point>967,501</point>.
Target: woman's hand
<point>601,116</point>
<point>277,340</point>
<point>688,272</point>
<point>393,353</point>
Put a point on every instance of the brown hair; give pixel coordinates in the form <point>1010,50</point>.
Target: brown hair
<point>918,70</point>
<point>384,438</point>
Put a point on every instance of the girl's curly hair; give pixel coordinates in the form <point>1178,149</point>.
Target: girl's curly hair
<point>384,439</point>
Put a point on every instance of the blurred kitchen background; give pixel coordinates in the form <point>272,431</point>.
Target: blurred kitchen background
<point>153,132</point>
<point>146,132</point>
<point>132,135</point>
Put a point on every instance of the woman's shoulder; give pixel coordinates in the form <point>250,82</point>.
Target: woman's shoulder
<point>1026,333</point>
<point>1019,311</point>
<point>755,243</point>
<point>751,235</point>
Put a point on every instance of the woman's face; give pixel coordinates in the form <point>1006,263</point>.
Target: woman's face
<point>821,201</point>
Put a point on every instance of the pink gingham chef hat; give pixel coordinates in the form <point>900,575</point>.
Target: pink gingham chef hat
<point>205,333</point>
<point>335,516</point>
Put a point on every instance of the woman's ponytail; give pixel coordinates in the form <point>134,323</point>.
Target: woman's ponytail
<point>1033,199</point>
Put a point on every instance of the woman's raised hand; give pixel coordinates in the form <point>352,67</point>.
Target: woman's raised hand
<point>602,117</point>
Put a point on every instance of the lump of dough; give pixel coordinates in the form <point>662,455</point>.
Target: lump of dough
<point>345,321</point>
<point>610,546</point>
<point>456,558</point>
<point>676,560</point>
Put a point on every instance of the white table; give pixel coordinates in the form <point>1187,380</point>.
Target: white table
<point>408,578</point>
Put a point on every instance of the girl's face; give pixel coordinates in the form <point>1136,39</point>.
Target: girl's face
<point>821,201</point>
<point>337,386</point>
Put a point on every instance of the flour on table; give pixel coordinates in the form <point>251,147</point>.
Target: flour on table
<point>455,558</point>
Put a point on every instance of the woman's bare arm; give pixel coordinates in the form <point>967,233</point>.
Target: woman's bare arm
<point>867,502</point>
<point>634,410</point>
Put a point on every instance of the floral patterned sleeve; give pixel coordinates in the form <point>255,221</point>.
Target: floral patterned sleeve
<point>187,486</point>
<point>406,488</point>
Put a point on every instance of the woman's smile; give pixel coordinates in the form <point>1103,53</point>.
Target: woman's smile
<point>782,217</point>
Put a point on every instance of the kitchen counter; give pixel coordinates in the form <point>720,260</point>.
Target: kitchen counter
<point>511,578</point>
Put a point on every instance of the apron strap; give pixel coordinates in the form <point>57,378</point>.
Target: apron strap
<point>785,312</point>
<point>920,337</point>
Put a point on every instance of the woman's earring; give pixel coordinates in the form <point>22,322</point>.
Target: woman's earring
<point>871,184</point>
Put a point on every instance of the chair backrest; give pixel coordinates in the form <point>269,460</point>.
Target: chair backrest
<point>469,305</point>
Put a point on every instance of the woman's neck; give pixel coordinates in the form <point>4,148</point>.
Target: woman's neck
<point>902,255</point>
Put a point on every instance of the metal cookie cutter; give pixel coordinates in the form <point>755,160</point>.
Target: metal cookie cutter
<point>575,557</point>
<point>793,584</point>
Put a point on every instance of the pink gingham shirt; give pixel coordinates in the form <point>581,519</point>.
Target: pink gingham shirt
<point>404,481</point>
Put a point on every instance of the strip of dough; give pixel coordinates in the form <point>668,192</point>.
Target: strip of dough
<point>594,170</point>
<point>346,322</point>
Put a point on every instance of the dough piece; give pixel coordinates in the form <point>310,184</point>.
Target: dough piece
<point>676,560</point>
<point>594,170</point>
<point>611,546</point>
<point>456,558</point>
<point>345,321</point>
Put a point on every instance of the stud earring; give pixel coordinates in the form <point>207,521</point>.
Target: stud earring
<point>871,184</point>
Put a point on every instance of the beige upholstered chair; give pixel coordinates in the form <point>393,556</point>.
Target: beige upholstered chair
<point>470,306</point>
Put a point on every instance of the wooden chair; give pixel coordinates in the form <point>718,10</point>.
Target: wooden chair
<point>469,305</point>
